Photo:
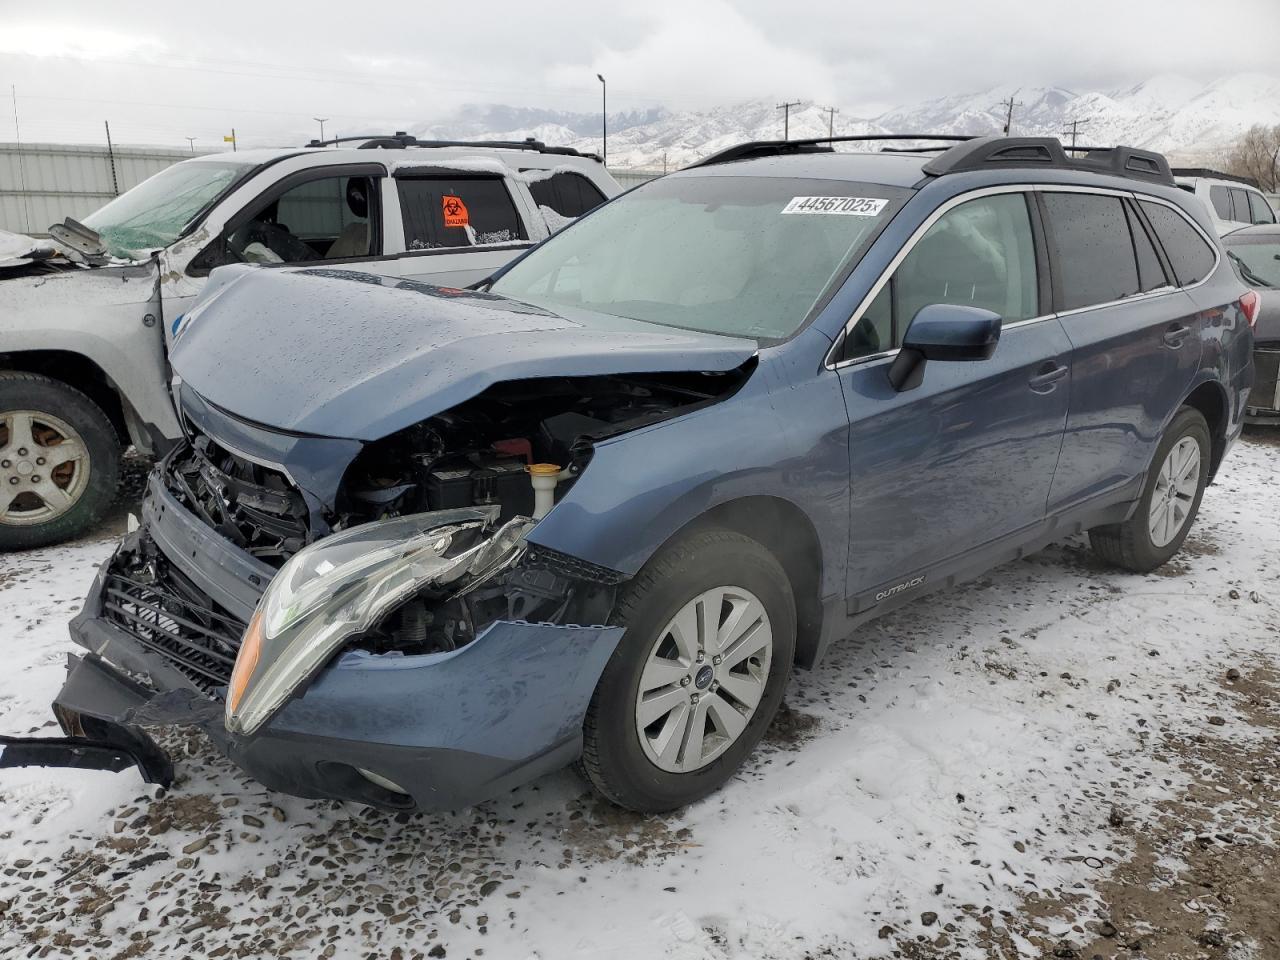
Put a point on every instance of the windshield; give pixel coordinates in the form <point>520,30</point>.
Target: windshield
<point>1259,262</point>
<point>153,213</point>
<point>746,256</point>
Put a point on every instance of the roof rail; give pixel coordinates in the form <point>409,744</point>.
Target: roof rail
<point>1215,175</point>
<point>773,148</point>
<point>987,152</point>
<point>401,140</point>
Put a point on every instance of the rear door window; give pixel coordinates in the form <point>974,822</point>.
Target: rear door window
<point>1221,202</point>
<point>1190,255</point>
<point>1260,209</point>
<point>445,212</point>
<point>1240,205</point>
<point>1095,259</point>
<point>565,193</point>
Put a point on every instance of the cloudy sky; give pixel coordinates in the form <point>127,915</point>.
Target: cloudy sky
<point>161,72</point>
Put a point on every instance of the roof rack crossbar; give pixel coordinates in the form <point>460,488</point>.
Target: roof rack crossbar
<point>765,148</point>
<point>401,140</point>
<point>987,152</point>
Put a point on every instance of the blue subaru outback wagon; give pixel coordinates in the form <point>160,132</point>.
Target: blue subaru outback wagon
<point>424,544</point>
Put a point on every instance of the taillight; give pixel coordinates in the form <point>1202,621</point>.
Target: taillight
<point>1250,304</point>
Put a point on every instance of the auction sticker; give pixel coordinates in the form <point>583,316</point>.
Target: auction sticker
<point>841,206</point>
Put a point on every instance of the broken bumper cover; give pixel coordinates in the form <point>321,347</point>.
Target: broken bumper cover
<point>448,730</point>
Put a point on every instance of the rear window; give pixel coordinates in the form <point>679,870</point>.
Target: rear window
<point>1095,255</point>
<point>442,212</point>
<point>1257,263</point>
<point>1189,253</point>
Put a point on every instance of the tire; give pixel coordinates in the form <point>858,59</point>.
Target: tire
<point>1133,545</point>
<point>38,414</point>
<point>619,764</point>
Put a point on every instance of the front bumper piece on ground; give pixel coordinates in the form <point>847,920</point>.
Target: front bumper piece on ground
<point>428,732</point>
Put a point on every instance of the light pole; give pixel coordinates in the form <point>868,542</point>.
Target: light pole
<point>320,120</point>
<point>604,120</point>
<point>192,142</point>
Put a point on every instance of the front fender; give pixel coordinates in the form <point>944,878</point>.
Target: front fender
<point>99,314</point>
<point>783,436</point>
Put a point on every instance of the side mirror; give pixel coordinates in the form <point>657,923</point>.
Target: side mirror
<point>943,331</point>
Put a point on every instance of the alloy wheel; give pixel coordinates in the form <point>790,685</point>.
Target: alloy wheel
<point>44,467</point>
<point>1177,483</point>
<point>703,679</point>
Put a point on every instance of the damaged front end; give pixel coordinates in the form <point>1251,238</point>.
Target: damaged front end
<point>427,661</point>
<point>416,585</point>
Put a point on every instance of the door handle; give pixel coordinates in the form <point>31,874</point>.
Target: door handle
<point>1049,374</point>
<point>1174,336</point>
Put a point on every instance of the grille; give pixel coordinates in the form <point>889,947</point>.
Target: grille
<point>166,613</point>
<point>256,508</point>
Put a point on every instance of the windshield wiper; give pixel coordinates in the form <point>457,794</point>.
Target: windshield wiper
<point>1249,276</point>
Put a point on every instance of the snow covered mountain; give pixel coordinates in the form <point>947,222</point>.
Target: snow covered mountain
<point>1188,120</point>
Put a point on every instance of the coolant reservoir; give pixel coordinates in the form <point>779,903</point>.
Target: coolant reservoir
<point>544,477</point>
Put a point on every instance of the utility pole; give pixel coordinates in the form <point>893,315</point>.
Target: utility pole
<point>1075,126</point>
<point>320,120</point>
<point>191,141</point>
<point>604,120</point>
<point>22,167</point>
<point>664,163</point>
<point>786,117</point>
<point>111,156</point>
<point>1008,117</point>
<point>831,119</point>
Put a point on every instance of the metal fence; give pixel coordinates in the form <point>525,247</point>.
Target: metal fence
<point>43,183</point>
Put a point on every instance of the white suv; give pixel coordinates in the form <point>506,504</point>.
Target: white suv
<point>1233,202</point>
<point>85,322</point>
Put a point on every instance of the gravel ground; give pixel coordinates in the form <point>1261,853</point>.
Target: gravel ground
<point>1057,760</point>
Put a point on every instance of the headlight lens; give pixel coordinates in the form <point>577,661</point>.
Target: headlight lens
<point>342,585</point>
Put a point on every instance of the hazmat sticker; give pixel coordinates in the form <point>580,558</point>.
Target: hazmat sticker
<point>841,206</point>
<point>455,211</point>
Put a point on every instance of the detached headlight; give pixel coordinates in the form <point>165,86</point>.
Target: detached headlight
<point>342,585</point>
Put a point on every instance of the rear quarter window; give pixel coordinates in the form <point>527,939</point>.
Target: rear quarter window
<point>566,193</point>
<point>1260,209</point>
<point>1221,201</point>
<point>1190,255</point>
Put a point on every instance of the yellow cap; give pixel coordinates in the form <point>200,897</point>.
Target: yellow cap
<point>544,469</point>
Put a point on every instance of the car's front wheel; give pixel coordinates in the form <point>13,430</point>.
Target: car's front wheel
<point>1170,499</point>
<point>698,675</point>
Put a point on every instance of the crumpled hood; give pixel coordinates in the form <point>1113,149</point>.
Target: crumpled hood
<point>342,354</point>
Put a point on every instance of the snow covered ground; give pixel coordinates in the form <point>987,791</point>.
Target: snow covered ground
<point>963,778</point>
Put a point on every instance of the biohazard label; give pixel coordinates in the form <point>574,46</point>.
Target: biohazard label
<point>455,211</point>
<point>846,206</point>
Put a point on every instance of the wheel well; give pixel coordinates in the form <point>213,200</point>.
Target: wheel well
<point>75,370</point>
<point>1211,401</point>
<point>784,530</point>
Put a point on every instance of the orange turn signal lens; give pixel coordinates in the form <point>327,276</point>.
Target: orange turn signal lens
<point>246,661</point>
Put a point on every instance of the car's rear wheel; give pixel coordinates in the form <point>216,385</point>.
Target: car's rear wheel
<point>59,461</point>
<point>698,675</point>
<point>1170,499</point>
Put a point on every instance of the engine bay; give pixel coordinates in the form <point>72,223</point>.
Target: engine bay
<point>480,452</point>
